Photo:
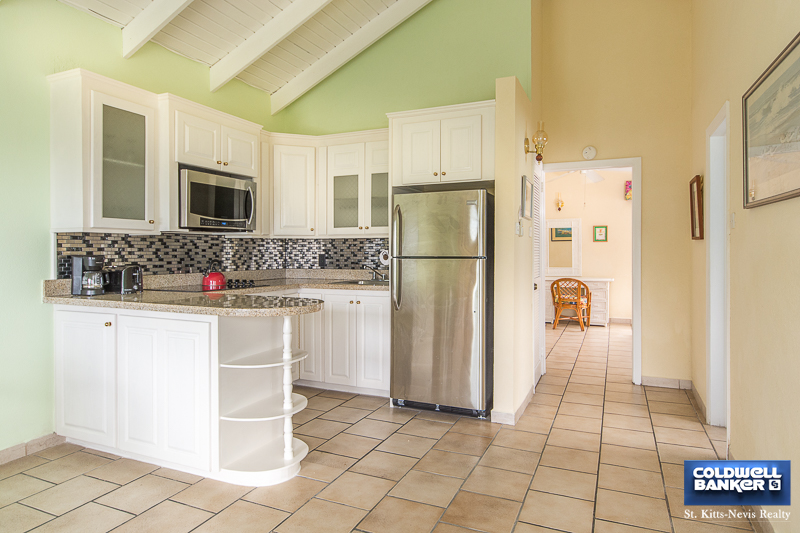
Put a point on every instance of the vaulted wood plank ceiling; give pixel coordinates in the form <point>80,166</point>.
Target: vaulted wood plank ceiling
<point>283,47</point>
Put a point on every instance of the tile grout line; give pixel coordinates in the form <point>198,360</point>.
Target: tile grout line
<point>602,429</point>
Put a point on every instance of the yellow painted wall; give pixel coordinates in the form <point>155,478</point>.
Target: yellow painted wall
<point>599,204</point>
<point>616,75</point>
<point>513,346</point>
<point>733,43</point>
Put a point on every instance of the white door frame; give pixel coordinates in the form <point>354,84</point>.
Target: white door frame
<point>717,237</point>
<point>538,296</point>
<point>635,164</point>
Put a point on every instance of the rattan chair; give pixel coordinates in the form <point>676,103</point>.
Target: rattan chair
<point>572,294</point>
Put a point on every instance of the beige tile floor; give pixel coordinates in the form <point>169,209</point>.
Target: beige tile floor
<point>591,453</point>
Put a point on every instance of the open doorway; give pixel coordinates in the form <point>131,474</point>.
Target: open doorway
<point>585,185</point>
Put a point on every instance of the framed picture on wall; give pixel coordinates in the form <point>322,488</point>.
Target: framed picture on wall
<point>600,234</point>
<point>526,199</point>
<point>560,234</point>
<point>696,198</point>
<point>771,114</point>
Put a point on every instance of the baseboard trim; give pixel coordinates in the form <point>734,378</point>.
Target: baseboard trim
<point>30,447</point>
<point>620,321</point>
<point>760,525</point>
<point>668,383</point>
<point>341,388</point>
<point>510,419</point>
<point>699,405</point>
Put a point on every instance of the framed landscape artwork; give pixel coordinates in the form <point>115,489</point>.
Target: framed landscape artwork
<point>560,234</point>
<point>771,112</point>
<point>526,199</point>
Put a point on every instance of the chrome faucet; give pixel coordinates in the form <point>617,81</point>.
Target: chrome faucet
<point>376,273</point>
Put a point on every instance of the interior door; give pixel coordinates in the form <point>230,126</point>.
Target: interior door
<point>540,290</point>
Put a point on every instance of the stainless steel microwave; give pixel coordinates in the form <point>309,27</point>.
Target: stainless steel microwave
<point>214,202</point>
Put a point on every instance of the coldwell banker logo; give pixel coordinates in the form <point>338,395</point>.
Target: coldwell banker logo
<point>737,483</point>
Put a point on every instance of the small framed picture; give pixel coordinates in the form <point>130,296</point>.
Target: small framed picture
<point>560,234</point>
<point>526,202</point>
<point>600,233</point>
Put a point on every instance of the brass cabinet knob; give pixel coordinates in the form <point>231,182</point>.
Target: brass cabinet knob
<point>435,173</point>
<point>366,227</point>
<point>151,221</point>
<point>360,227</point>
<point>358,302</point>
<point>108,324</point>
<point>351,301</point>
<point>225,163</point>
<point>312,229</point>
<point>219,162</point>
<point>443,173</point>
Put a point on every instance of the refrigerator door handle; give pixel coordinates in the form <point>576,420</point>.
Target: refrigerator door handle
<point>397,284</point>
<point>397,232</point>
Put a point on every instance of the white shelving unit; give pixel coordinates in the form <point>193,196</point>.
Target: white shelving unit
<point>256,441</point>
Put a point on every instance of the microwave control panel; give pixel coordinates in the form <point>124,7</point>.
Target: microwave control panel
<point>210,222</point>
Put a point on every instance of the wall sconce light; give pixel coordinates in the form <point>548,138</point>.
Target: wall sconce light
<point>539,142</point>
<point>559,202</point>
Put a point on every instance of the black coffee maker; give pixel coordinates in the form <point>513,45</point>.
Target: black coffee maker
<point>88,276</point>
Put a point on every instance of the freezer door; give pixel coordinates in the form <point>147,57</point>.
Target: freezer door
<point>438,343</point>
<point>439,224</point>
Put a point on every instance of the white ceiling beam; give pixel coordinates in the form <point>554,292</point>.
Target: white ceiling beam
<point>150,21</point>
<point>345,51</point>
<point>280,27</point>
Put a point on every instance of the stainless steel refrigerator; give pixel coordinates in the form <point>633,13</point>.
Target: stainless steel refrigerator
<point>442,305</point>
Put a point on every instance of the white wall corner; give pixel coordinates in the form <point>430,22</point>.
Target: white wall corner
<point>510,419</point>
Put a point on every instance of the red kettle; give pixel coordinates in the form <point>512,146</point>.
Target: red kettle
<point>212,277</point>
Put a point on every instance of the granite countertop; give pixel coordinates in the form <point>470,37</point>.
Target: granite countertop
<point>227,302</point>
<point>218,303</point>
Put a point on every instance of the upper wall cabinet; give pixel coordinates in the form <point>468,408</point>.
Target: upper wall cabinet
<point>294,190</point>
<point>102,154</point>
<point>443,144</point>
<point>358,189</point>
<point>209,144</point>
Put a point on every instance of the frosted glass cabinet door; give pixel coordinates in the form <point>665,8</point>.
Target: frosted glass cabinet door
<point>123,164</point>
<point>346,189</point>
<point>376,188</point>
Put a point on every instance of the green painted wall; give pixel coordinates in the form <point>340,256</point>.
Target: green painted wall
<point>449,52</point>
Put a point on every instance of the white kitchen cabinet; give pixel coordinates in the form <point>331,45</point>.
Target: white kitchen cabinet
<point>294,190</point>
<point>102,154</point>
<point>443,144</point>
<point>207,143</point>
<point>86,376</point>
<point>358,189</point>
<point>339,339</point>
<point>373,342</point>
<point>164,395</point>
<point>309,335</point>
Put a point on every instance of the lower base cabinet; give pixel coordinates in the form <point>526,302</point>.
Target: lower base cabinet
<point>348,343</point>
<point>134,383</point>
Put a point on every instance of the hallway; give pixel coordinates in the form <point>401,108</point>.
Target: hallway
<point>591,453</point>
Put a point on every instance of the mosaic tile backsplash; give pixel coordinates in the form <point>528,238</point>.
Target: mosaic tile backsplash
<point>179,253</point>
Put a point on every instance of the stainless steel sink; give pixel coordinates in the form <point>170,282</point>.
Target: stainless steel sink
<point>372,282</point>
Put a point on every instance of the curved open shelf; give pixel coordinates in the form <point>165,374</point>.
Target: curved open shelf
<point>266,465</point>
<point>266,359</point>
<point>267,409</point>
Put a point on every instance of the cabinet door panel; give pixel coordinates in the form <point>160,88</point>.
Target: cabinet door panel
<point>340,339</point>
<point>85,371</point>
<point>376,189</point>
<point>294,190</point>
<point>421,152</point>
<point>123,164</point>
<point>346,189</point>
<point>309,333</point>
<point>461,148</point>
<point>197,141</point>
<point>239,150</point>
<point>373,341</point>
<point>164,389</point>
